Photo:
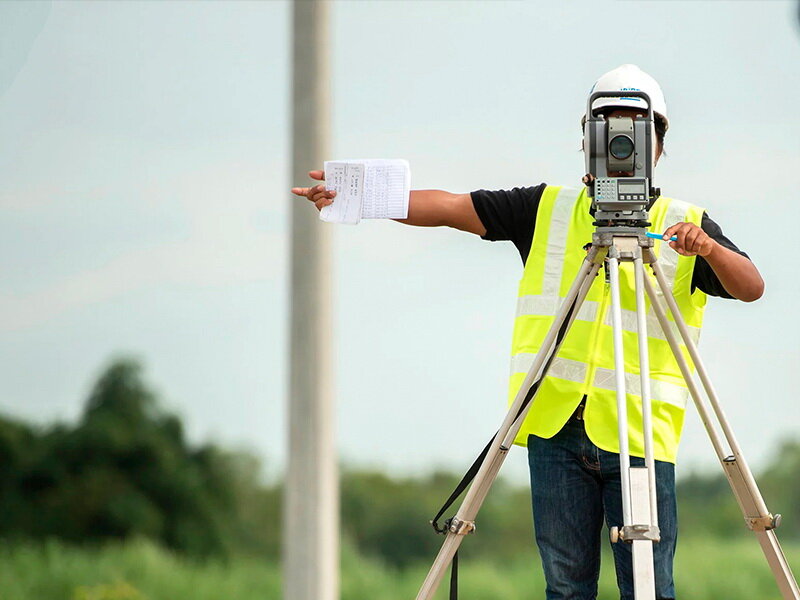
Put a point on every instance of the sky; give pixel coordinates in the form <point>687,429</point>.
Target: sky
<point>144,206</point>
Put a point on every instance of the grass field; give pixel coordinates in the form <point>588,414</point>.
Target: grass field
<point>138,570</point>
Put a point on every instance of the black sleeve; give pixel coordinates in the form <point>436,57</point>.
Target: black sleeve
<point>703,276</point>
<point>509,215</point>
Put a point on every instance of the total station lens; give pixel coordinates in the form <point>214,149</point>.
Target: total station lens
<point>621,147</point>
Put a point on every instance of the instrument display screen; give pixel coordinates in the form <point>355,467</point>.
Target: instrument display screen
<point>630,188</point>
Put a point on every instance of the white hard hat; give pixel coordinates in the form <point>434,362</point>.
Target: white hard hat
<point>630,77</point>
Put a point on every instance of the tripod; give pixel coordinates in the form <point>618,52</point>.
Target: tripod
<point>610,245</point>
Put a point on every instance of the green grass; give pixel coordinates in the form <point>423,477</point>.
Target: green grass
<point>136,570</point>
<point>139,570</point>
<point>705,570</point>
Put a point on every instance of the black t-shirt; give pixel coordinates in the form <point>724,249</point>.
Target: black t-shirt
<point>511,215</point>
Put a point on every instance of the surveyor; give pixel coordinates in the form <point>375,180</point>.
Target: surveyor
<point>571,429</point>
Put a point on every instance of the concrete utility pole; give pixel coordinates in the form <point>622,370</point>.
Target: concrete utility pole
<point>311,501</point>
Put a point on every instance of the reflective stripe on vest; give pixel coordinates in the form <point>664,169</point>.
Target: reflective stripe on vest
<point>573,370</point>
<point>584,365</point>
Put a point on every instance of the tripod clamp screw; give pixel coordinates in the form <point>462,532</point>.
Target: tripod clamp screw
<point>629,533</point>
<point>460,527</point>
<point>613,534</point>
<point>763,523</point>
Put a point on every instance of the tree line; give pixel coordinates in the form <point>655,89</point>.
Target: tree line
<point>125,469</point>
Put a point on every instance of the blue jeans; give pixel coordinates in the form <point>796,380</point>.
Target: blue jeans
<point>574,485</point>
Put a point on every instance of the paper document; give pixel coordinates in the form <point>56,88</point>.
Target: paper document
<point>372,188</point>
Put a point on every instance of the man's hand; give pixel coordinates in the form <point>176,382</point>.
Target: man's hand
<point>692,240</point>
<point>317,194</point>
<point>737,274</point>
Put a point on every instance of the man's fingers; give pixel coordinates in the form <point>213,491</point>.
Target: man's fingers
<point>316,194</point>
<point>691,239</point>
<point>677,248</point>
<point>679,230</point>
<point>320,194</point>
<point>309,192</point>
<point>671,230</point>
<point>320,204</point>
<point>682,233</point>
<point>321,189</point>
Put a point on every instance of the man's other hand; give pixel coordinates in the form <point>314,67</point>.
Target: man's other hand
<point>692,240</point>
<point>317,194</point>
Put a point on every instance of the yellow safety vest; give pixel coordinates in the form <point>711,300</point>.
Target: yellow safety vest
<point>585,362</point>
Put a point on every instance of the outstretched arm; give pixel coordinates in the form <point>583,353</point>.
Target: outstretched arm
<point>436,208</point>
<point>426,208</point>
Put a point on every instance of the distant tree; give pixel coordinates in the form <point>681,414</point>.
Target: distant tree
<point>706,504</point>
<point>781,486</point>
<point>124,470</point>
<point>389,517</point>
<point>17,442</point>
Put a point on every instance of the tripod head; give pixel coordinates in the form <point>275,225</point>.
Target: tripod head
<point>620,156</point>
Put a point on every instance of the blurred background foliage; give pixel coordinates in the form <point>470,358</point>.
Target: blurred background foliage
<point>126,470</point>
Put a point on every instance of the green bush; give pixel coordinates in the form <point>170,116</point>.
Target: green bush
<point>124,470</point>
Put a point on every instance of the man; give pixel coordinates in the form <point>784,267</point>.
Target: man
<point>571,431</point>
